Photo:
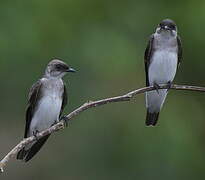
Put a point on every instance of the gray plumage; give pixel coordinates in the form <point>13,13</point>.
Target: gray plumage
<point>47,99</point>
<point>162,56</point>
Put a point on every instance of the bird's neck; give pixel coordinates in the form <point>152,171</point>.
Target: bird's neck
<point>49,76</point>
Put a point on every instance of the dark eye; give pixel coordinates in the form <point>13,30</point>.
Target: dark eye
<point>59,67</point>
<point>172,27</point>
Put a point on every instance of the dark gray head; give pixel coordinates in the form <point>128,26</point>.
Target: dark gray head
<point>167,25</point>
<point>57,69</point>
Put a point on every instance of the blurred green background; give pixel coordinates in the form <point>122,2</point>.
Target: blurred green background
<point>105,41</point>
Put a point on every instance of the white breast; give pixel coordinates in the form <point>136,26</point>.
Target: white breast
<point>163,66</point>
<point>48,110</point>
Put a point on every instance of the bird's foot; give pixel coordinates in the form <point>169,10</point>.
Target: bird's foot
<point>65,120</point>
<point>169,84</point>
<point>55,122</point>
<point>35,133</point>
<point>156,86</point>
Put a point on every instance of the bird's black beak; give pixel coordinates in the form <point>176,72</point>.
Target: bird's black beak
<point>71,70</point>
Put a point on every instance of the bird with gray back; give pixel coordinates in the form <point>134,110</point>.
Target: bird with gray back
<point>162,57</point>
<point>47,99</point>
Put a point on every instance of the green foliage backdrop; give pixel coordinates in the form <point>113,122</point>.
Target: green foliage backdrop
<point>105,41</point>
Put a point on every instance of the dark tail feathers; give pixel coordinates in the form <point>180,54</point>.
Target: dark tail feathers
<point>26,155</point>
<point>152,118</point>
<point>21,154</point>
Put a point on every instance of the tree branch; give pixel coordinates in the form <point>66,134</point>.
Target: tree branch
<point>90,104</point>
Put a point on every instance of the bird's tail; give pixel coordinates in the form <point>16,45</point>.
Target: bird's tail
<point>27,154</point>
<point>21,154</point>
<point>152,118</point>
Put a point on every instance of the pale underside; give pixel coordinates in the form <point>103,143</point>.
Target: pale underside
<point>49,106</point>
<point>161,71</point>
<point>47,113</point>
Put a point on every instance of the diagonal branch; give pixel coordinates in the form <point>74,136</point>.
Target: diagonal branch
<point>87,105</point>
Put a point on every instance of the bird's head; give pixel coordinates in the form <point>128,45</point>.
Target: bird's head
<point>57,69</point>
<point>167,26</point>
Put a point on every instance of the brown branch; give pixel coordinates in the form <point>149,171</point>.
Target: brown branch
<point>87,105</point>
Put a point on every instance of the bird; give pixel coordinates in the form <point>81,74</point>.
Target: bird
<point>162,58</point>
<point>46,101</point>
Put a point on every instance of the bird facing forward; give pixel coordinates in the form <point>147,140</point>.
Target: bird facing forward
<point>162,56</point>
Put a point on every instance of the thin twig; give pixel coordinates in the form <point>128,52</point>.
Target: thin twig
<point>87,105</point>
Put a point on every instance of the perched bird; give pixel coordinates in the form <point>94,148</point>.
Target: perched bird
<point>47,99</point>
<point>162,56</point>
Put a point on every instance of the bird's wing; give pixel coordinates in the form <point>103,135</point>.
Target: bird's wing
<point>65,100</point>
<point>34,95</point>
<point>147,57</point>
<point>179,50</point>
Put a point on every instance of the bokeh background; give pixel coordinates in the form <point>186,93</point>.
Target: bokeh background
<point>105,41</point>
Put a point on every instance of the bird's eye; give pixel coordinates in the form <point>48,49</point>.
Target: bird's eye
<point>172,27</point>
<point>58,67</point>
